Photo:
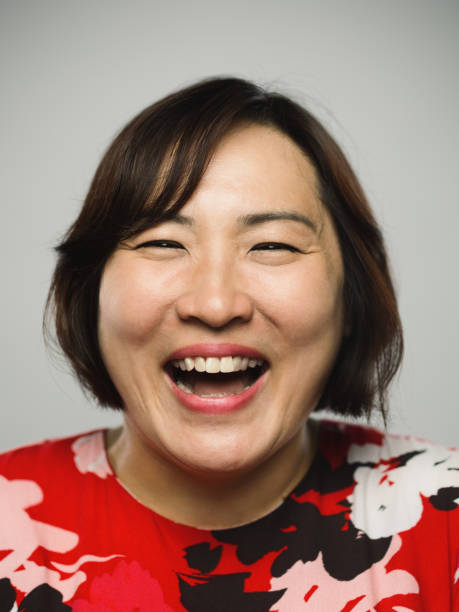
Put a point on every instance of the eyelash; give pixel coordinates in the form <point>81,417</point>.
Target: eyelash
<point>268,246</point>
<point>275,246</point>
<point>170,244</point>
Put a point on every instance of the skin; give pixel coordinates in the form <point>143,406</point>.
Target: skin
<point>221,283</point>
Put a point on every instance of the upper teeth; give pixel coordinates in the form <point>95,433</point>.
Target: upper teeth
<point>212,365</point>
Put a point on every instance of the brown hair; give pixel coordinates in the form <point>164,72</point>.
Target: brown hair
<point>150,171</point>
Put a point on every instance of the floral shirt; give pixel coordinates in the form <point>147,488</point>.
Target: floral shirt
<point>373,526</point>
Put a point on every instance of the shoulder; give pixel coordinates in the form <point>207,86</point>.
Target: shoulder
<point>397,479</point>
<point>391,459</point>
<point>49,457</point>
<point>360,444</point>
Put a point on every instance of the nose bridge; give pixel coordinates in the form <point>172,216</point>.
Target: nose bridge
<point>215,292</point>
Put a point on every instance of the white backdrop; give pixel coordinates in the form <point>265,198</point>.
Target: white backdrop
<point>383,76</point>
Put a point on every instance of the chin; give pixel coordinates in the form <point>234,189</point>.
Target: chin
<point>217,459</point>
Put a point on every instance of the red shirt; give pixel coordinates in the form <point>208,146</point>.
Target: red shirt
<point>373,526</point>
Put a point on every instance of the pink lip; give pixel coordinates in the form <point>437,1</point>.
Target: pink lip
<point>220,405</point>
<point>215,350</point>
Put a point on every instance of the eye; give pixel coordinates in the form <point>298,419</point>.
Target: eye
<point>275,246</point>
<point>162,244</point>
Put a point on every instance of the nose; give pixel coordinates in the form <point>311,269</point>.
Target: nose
<point>214,296</point>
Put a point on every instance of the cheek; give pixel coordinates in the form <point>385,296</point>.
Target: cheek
<point>130,307</point>
<point>306,306</point>
<point>316,327</point>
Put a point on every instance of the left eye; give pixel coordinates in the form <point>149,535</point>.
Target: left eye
<point>275,246</point>
<point>164,244</point>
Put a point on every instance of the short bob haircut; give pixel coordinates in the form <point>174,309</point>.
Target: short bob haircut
<point>150,171</point>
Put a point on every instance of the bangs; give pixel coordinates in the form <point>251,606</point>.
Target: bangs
<point>167,149</point>
<point>171,172</point>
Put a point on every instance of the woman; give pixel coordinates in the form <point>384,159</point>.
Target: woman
<point>224,279</point>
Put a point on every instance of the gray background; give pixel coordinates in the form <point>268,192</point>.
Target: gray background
<point>383,76</point>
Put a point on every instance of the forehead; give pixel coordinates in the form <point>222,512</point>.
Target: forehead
<point>256,171</point>
<point>262,163</point>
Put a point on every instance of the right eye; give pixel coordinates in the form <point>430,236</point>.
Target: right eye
<point>163,244</point>
<point>275,246</point>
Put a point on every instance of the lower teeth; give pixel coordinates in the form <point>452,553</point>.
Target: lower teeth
<point>181,386</point>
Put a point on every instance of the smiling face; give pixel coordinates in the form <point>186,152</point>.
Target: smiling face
<point>250,270</point>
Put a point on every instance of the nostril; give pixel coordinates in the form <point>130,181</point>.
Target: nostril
<point>215,307</point>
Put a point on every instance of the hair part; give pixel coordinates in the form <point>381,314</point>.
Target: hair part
<point>150,171</point>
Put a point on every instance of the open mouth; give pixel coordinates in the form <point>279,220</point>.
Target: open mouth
<point>215,377</point>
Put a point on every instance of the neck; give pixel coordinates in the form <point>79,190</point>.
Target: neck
<point>209,501</point>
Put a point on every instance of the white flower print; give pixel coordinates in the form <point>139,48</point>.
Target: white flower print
<point>387,498</point>
<point>311,588</point>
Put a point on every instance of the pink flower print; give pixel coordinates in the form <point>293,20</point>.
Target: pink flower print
<point>129,589</point>
<point>21,536</point>
<point>89,455</point>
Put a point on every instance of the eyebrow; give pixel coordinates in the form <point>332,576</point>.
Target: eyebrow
<point>257,218</point>
<point>281,215</point>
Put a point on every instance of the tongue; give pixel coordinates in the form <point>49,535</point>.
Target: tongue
<point>209,384</point>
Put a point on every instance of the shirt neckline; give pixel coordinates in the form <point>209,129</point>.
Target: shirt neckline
<point>102,433</point>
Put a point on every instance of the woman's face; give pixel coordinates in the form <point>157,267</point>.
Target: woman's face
<point>250,269</point>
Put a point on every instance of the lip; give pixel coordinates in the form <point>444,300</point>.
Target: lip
<point>208,349</point>
<point>218,405</point>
